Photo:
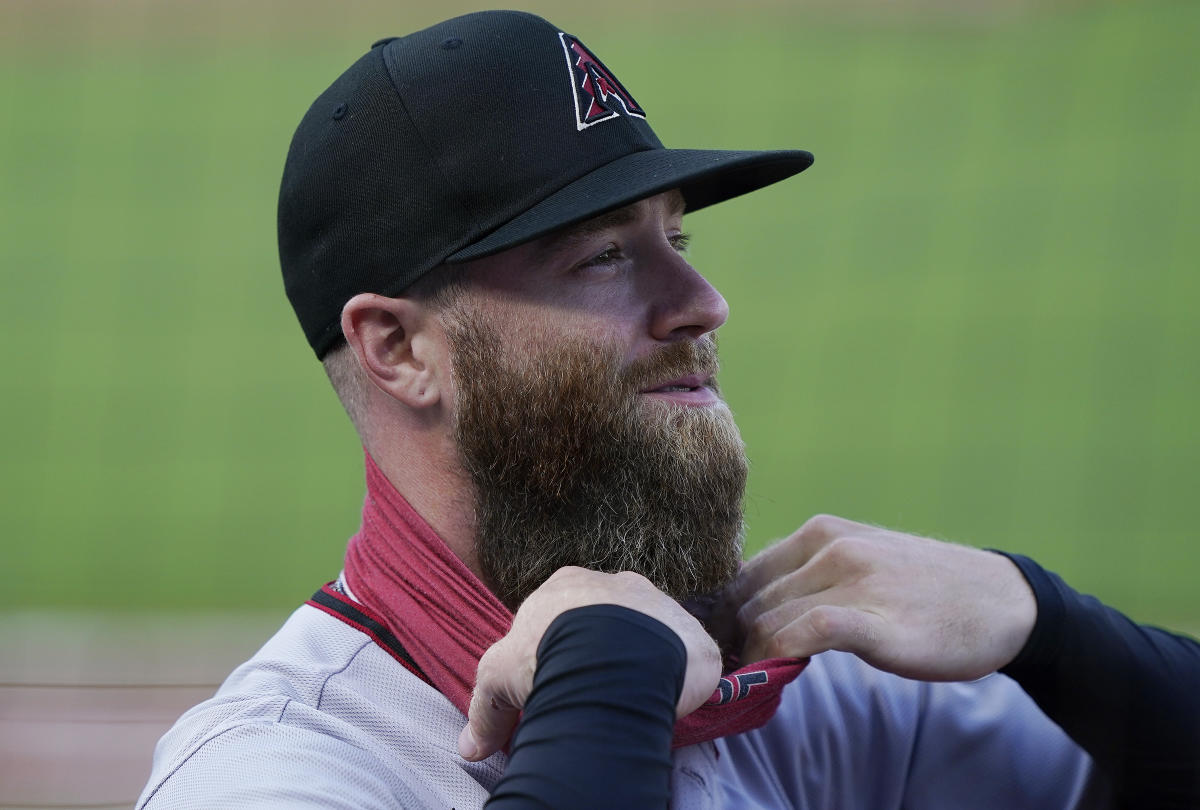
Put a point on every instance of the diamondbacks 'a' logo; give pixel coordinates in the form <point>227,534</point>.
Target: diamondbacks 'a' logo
<point>598,94</point>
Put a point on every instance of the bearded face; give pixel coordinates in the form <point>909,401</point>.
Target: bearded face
<point>572,466</point>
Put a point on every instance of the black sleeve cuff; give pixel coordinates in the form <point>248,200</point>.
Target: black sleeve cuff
<point>1044,644</point>
<point>596,730</point>
<point>1127,693</point>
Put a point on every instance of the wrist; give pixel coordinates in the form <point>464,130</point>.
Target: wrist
<point>1019,611</point>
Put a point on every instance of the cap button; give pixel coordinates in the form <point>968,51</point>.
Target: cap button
<point>383,41</point>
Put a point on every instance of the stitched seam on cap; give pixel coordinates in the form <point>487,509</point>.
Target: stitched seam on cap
<point>424,141</point>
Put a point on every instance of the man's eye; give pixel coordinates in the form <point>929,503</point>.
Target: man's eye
<point>680,241</point>
<point>610,255</point>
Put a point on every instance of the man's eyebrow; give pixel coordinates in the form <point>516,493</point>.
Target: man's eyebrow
<point>585,230</point>
<point>574,234</point>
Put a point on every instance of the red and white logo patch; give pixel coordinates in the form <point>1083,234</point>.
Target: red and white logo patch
<point>598,94</point>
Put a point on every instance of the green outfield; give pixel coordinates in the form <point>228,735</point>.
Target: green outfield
<point>975,317</point>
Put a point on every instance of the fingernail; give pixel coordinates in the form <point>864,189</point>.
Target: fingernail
<point>467,747</point>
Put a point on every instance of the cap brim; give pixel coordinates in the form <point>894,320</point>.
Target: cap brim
<point>704,176</point>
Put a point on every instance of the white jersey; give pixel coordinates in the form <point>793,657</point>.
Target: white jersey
<point>324,716</point>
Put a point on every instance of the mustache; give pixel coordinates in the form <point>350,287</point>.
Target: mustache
<point>678,359</point>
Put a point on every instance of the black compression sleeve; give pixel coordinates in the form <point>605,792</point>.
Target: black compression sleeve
<point>1128,694</point>
<point>596,730</point>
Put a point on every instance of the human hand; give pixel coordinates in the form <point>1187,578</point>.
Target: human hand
<point>916,607</point>
<point>505,675</point>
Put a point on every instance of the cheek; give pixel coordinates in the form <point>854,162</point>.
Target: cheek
<point>616,317</point>
<point>613,316</point>
<point>536,328</point>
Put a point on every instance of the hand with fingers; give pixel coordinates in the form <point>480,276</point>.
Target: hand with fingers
<point>506,671</point>
<point>915,607</point>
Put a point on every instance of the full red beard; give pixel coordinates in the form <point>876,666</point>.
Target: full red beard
<point>571,465</point>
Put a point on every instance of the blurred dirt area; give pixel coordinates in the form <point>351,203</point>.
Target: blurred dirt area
<point>84,698</point>
<point>61,23</point>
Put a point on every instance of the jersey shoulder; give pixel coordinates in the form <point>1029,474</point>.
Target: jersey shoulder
<point>321,710</point>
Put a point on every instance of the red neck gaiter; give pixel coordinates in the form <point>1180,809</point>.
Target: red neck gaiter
<point>446,618</point>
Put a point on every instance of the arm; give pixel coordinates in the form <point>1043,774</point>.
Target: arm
<point>935,611</point>
<point>596,730</point>
<point>1128,694</point>
<point>602,664</point>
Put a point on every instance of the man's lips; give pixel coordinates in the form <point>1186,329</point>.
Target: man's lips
<point>694,389</point>
<point>686,383</point>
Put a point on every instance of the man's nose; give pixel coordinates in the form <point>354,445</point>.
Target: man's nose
<point>686,304</point>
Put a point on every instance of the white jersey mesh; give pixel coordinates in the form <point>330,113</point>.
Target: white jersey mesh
<point>322,717</point>
<point>319,712</point>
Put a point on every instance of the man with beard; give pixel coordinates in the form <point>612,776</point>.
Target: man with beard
<point>482,239</point>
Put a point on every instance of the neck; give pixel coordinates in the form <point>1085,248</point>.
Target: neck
<point>433,482</point>
<point>439,611</point>
<point>446,618</point>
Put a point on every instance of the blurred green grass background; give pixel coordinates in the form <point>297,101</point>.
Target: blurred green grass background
<point>973,318</point>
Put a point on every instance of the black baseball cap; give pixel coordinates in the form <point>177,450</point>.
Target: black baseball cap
<point>465,139</point>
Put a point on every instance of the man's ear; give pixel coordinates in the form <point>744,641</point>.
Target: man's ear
<point>396,346</point>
